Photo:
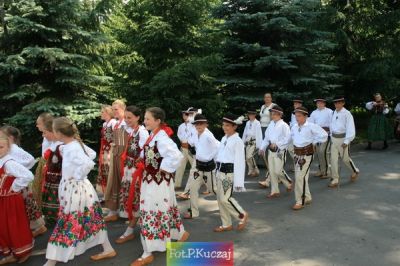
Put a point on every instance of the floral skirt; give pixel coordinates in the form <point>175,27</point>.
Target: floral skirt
<point>15,234</point>
<point>33,210</point>
<point>379,128</point>
<point>159,219</point>
<point>50,202</point>
<point>80,223</point>
<point>124,193</point>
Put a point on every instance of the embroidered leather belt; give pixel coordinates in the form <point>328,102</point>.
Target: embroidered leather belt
<point>339,136</point>
<point>205,166</point>
<point>226,168</point>
<point>326,129</point>
<point>250,142</point>
<point>185,145</point>
<point>301,151</point>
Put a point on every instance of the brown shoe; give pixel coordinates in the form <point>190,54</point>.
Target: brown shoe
<point>39,231</point>
<point>324,177</point>
<point>8,260</point>
<point>220,229</point>
<point>184,237</point>
<point>183,196</point>
<point>111,218</point>
<point>318,174</point>
<point>206,192</point>
<point>243,222</point>
<point>122,239</point>
<point>263,184</point>
<point>290,188</point>
<point>254,174</point>
<point>141,261</point>
<point>103,256</point>
<point>354,176</point>
<point>273,195</point>
<point>23,259</point>
<point>333,185</point>
<point>187,216</point>
<point>297,207</point>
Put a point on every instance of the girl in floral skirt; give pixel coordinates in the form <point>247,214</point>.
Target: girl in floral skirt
<point>137,137</point>
<point>159,219</point>
<point>80,224</point>
<point>16,241</point>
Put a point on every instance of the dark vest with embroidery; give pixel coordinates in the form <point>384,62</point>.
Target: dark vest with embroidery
<point>54,166</point>
<point>152,162</point>
<point>106,138</point>
<point>133,151</point>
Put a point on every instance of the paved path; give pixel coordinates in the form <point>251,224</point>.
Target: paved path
<point>358,224</point>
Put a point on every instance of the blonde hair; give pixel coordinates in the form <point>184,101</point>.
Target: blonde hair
<point>120,103</point>
<point>3,137</point>
<point>13,132</point>
<point>68,128</point>
<point>107,109</point>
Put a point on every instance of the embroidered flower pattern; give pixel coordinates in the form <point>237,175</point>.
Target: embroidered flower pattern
<point>77,226</point>
<point>226,184</point>
<point>158,224</point>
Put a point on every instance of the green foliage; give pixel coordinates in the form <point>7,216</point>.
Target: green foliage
<point>279,47</point>
<point>164,54</point>
<point>49,58</point>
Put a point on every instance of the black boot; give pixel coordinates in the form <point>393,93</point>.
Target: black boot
<point>369,145</point>
<point>385,145</point>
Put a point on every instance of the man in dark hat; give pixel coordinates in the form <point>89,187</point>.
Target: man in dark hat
<point>252,138</point>
<point>322,116</point>
<point>276,140</point>
<point>342,132</point>
<point>297,103</point>
<point>206,148</point>
<point>304,135</point>
<point>230,174</point>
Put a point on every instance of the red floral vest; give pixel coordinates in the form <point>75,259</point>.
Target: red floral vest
<point>152,163</point>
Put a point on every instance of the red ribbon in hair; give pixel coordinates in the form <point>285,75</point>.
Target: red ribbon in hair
<point>137,176</point>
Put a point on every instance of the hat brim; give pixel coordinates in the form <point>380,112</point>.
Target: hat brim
<point>300,111</point>
<point>319,100</point>
<point>339,100</point>
<point>227,120</point>
<point>200,121</point>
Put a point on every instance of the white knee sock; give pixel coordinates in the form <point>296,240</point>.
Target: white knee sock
<point>128,231</point>
<point>107,246</point>
<point>145,254</point>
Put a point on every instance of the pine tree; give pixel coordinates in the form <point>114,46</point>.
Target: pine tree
<point>276,46</point>
<point>368,53</point>
<point>164,54</point>
<point>49,60</point>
